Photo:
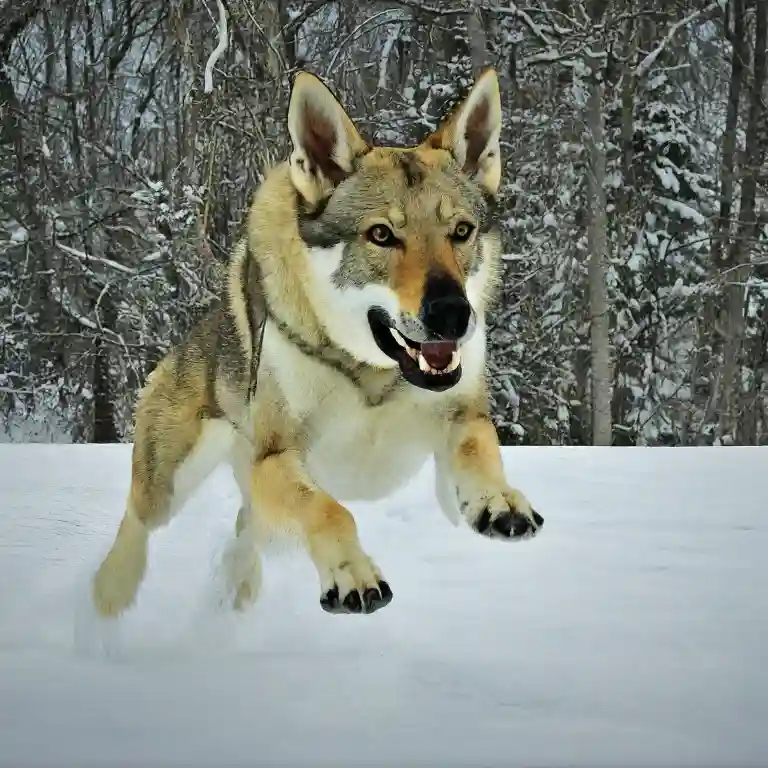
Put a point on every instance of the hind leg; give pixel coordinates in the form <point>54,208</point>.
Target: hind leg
<point>242,561</point>
<point>175,448</point>
<point>148,507</point>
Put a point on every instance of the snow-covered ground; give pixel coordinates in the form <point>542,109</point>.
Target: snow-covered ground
<point>633,631</point>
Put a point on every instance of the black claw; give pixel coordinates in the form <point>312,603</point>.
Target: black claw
<point>353,603</point>
<point>537,518</point>
<point>483,521</point>
<point>520,526</point>
<point>377,598</point>
<point>503,524</point>
<point>370,599</point>
<point>330,600</point>
<point>386,592</point>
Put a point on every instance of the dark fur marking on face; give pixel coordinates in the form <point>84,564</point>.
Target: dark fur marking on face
<point>356,272</point>
<point>412,169</point>
<point>489,212</point>
<point>314,230</point>
<point>484,204</point>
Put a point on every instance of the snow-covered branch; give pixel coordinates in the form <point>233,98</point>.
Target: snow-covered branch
<point>218,51</point>
<point>83,256</point>
<point>645,65</point>
<point>513,10</point>
<point>385,53</point>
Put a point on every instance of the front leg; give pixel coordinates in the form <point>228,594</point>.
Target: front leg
<point>285,496</point>
<point>476,475</point>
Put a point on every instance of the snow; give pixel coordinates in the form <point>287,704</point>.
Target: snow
<point>19,235</point>
<point>667,177</point>
<point>632,631</point>
<point>682,210</point>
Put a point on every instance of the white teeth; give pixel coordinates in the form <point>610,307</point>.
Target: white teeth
<point>427,368</point>
<point>399,339</point>
<point>417,357</point>
<point>455,360</point>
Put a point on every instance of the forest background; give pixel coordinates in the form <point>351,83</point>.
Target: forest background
<point>634,308</point>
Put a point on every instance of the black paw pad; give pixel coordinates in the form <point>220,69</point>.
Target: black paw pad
<point>370,599</point>
<point>503,524</point>
<point>520,526</point>
<point>483,521</point>
<point>507,525</point>
<point>330,601</point>
<point>353,603</point>
<point>386,592</point>
<point>377,598</point>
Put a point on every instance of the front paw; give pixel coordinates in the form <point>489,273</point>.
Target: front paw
<point>354,585</point>
<point>504,514</point>
<point>371,599</point>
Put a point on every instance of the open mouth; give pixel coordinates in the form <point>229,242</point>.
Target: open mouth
<point>434,365</point>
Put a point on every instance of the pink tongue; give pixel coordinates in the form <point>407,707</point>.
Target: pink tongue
<point>438,354</point>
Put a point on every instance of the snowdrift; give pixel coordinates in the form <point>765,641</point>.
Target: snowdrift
<point>633,631</point>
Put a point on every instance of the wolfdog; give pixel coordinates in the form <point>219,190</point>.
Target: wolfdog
<point>349,346</point>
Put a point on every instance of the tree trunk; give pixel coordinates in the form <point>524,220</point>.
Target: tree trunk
<point>478,42</point>
<point>706,380</point>
<point>598,244</point>
<point>104,422</point>
<point>738,63</point>
<point>737,262</point>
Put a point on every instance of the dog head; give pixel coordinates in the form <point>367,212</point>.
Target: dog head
<point>400,243</point>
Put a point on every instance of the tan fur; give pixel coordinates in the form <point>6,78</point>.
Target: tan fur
<point>323,421</point>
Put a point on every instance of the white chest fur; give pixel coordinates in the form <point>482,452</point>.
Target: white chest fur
<point>362,452</point>
<point>357,451</point>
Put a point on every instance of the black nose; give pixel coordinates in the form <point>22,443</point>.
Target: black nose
<point>445,309</point>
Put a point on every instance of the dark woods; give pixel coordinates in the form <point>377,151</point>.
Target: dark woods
<point>635,303</point>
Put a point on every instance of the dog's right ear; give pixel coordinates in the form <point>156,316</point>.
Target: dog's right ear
<point>325,141</point>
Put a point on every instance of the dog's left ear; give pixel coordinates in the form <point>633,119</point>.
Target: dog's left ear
<point>471,134</point>
<point>325,141</point>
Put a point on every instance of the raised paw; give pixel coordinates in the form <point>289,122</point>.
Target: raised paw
<point>503,515</point>
<point>354,586</point>
<point>371,600</point>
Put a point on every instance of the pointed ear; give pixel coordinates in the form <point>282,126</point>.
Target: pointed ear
<point>325,142</point>
<point>471,133</point>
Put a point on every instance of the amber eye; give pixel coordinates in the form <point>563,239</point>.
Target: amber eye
<point>382,235</point>
<point>462,232</point>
